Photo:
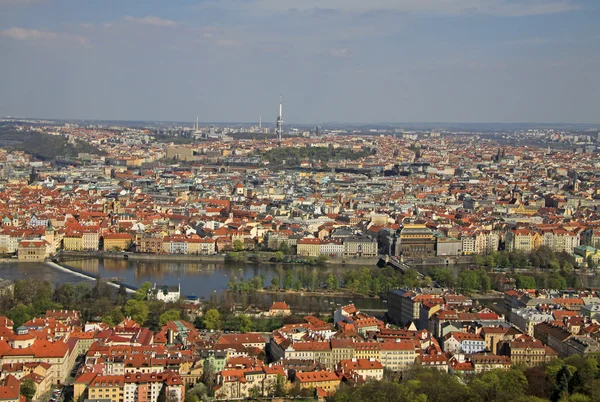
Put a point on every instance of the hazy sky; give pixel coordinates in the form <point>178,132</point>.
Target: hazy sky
<point>333,60</point>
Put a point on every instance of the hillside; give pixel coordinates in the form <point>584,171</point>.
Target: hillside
<point>44,146</point>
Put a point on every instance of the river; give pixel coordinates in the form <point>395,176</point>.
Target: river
<point>204,280</point>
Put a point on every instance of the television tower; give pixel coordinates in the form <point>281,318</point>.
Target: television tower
<point>279,130</point>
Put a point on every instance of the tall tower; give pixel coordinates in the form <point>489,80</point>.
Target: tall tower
<point>280,120</point>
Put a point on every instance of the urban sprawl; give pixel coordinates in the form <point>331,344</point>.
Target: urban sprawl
<point>518,212</point>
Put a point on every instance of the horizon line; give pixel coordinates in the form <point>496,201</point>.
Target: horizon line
<point>309,123</point>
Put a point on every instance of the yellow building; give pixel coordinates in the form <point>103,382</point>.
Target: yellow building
<point>519,239</point>
<point>326,380</point>
<point>487,362</point>
<point>117,241</point>
<point>367,350</point>
<point>32,250</point>
<point>309,247</point>
<point>107,387</point>
<point>73,242</point>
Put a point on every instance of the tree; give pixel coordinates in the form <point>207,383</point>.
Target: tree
<point>525,282</point>
<point>137,310</point>
<point>468,280</point>
<point>19,314</point>
<point>168,316</point>
<point>198,393</point>
<point>278,388</point>
<point>81,292</point>
<point>443,276</point>
<point>114,317</point>
<point>484,281</point>
<point>255,392</point>
<point>28,388</point>
<point>284,248</point>
<point>561,385</point>
<point>288,280</point>
<point>332,282</point>
<point>275,282</point>
<point>238,245</point>
<point>65,296</point>
<point>322,259</point>
<point>244,323</point>
<point>142,292</point>
<point>212,319</point>
<point>258,282</point>
<point>35,293</point>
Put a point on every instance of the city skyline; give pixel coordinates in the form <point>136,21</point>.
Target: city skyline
<point>337,61</point>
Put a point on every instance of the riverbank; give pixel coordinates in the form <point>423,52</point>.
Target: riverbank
<point>315,294</point>
<point>362,261</point>
<point>217,258</point>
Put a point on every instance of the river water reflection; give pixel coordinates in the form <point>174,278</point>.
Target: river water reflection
<point>207,279</point>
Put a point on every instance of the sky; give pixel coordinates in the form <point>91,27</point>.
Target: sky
<point>353,61</point>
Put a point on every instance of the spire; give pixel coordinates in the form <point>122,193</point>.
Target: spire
<point>280,119</point>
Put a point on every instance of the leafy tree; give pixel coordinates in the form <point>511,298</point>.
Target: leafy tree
<point>168,316</point>
<point>500,385</point>
<point>137,310</point>
<point>443,276</point>
<point>332,282</point>
<point>65,295</point>
<point>233,284</point>
<point>410,278</point>
<point>255,392</point>
<point>258,282</point>
<point>275,282</point>
<point>142,292</point>
<point>114,317</point>
<point>561,386</point>
<point>212,319</point>
<point>81,292</point>
<point>19,314</point>
<point>577,397</point>
<point>322,259</point>
<point>245,325</point>
<point>284,248</point>
<point>485,283</point>
<point>525,282</point>
<point>590,263</point>
<point>28,388</point>
<point>33,291</point>
<point>198,393</point>
<point>238,245</point>
<point>288,280</point>
<point>468,280</point>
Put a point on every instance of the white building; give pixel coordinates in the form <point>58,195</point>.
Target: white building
<point>165,293</point>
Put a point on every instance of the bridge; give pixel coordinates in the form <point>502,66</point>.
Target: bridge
<point>396,263</point>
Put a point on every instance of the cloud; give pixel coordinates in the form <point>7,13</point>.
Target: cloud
<point>510,8</point>
<point>36,35</point>
<point>150,20</point>
<point>342,52</point>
